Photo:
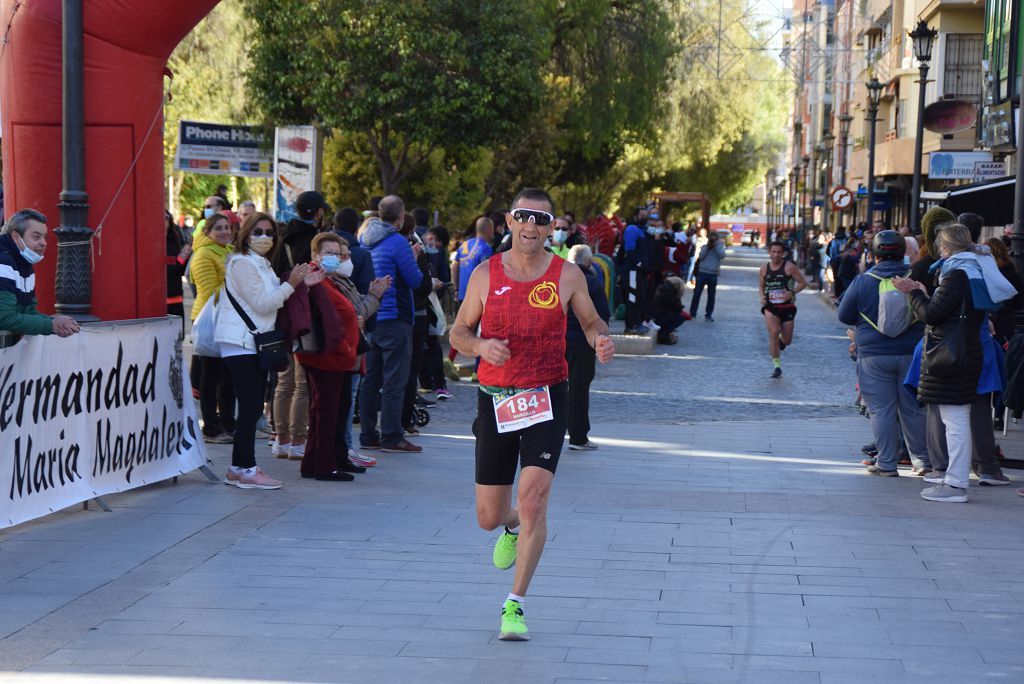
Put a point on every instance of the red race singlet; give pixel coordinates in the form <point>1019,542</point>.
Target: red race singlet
<point>530,316</point>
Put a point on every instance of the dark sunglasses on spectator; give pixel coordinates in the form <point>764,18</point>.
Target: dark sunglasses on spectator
<point>541,218</point>
<point>269,232</point>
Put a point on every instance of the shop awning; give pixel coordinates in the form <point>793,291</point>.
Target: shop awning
<point>992,200</point>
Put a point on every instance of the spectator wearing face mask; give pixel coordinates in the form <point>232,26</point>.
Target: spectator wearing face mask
<point>251,287</point>
<point>559,237</point>
<point>329,371</point>
<point>212,247</point>
<point>22,245</point>
<point>291,398</point>
<point>346,225</point>
<point>339,270</point>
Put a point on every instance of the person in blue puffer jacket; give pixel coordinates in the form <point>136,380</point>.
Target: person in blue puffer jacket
<point>388,360</point>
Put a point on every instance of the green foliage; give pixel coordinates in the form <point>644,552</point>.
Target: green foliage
<point>410,76</point>
<point>207,86</point>
<point>459,104</point>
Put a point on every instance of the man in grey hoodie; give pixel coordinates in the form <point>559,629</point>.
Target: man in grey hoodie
<point>709,262</point>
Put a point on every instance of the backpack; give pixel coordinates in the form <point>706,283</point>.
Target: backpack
<point>895,314</point>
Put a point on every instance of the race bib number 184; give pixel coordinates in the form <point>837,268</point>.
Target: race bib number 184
<point>522,409</point>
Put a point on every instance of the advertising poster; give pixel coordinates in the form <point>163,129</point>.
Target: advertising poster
<point>222,149</point>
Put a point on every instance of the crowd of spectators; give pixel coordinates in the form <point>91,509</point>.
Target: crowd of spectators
<point>931,317</point>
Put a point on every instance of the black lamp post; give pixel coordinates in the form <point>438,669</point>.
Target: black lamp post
<point>875,88</point>
<point>844,136</point>
<point>780,200</point>
<point>73,283</point>
<point>805,167</point>
<point>924,39</point>
<point>817,153</point>
<point>826,206</point>
<point>794,174</point>
<point>1017,237</point>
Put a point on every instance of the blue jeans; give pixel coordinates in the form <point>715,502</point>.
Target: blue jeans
<point>383,390</point>
<point>890,406</point>
<point>711,280</point>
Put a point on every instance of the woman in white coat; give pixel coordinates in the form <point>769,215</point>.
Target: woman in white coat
<point>260,293</point>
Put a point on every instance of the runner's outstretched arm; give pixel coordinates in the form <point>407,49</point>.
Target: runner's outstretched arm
<point>463,335</point>
<point>595,329</point>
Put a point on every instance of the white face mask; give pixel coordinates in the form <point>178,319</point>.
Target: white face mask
<point>345,268</point>
<point>27,254</point>
<point>560,236</point>
<point>261,244</point>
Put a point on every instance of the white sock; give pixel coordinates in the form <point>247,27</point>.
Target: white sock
<point>236,469</point>
<point>512,530</point>
<point>249,472</point>
<point>518,599</point>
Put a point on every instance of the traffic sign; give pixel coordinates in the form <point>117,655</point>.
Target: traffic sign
<point>841,198</point>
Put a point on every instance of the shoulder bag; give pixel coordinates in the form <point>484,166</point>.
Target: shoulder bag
<point>946,357</point>
<point>271,346</point>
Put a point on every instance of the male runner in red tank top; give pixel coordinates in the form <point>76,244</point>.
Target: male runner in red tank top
<point>520,299</point>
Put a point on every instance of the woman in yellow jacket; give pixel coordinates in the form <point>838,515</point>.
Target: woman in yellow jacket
<point>210,250</point>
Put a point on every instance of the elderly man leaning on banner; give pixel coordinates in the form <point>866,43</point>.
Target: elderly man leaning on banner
<point>21,245</point>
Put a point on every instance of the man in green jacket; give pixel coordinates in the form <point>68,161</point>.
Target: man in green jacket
<point>22,244</point>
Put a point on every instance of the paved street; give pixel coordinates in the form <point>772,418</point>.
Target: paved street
<point>722,533</point>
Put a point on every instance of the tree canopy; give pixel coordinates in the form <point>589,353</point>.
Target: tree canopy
<point>458,104</point>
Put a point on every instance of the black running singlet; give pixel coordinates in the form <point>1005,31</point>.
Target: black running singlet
<point>776,284</point>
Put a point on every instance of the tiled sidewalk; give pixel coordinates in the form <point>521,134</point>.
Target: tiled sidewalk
<point>710,552</point>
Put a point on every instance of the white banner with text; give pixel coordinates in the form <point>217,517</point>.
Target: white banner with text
<point>103,411</point>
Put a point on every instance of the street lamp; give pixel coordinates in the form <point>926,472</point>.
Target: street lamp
<point>924,38</point>
<point>793,175</point>
<point>826,206</point>
<point>844,135</point>
<point>875,88</point>
<point>805,169</point>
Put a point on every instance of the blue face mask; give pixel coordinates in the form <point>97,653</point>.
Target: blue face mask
<point>431,250</point>
<point>330,262</point>
<point>208,212</point>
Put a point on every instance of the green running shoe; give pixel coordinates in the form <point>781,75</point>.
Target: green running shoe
<point>513,624</point>
<point>505,550</point>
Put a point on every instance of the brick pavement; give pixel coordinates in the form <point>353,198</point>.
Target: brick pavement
<point>685,551</point>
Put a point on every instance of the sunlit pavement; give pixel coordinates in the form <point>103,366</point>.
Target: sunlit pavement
<point>737,541</point>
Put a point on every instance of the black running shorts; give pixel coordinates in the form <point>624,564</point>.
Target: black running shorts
<point>782,312</point>
<point>498,455</point>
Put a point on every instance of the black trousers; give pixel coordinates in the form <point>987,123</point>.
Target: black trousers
<point>216,396</point>
<point>581,359</point>
<point>432,375</point>
<point>633,294</point>
<point>419,349</point>
<point>250,385</point>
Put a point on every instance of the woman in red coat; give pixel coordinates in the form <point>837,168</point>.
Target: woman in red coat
<point>329,373</point>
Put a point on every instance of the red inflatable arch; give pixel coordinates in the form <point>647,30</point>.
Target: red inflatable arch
<point>127,43</point>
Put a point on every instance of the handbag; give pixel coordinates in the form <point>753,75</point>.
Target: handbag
<point>271,346</point>
<point>440,323</point>
<point>204,327</point>
<point>946,357</point>
<point>313,341</point>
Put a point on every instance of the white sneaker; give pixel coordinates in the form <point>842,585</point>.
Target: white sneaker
<point>652,325</point>
<point>279,450</point>
<point>361,460</point>
<point>298,452</point>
